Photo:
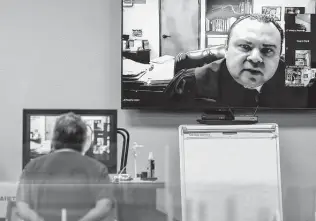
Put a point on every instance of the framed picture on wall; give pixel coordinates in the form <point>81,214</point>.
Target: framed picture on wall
<point>273,11</point>
<point>127,3</point>
<point>294,10</point>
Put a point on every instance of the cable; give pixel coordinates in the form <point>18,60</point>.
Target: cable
<point>254,114</point>
<point>122,166</point>
<point>116,179</point>
<point>126,149</point>
<point>231,112</point>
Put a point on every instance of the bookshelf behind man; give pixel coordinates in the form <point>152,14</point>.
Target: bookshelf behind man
<point>220,15</point>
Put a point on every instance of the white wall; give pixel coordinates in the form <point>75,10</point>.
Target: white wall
<point>66,54</point>
<point>145,17</point>
<point>54,54</point>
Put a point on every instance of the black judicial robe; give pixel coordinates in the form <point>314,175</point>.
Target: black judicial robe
<point>213,84</point>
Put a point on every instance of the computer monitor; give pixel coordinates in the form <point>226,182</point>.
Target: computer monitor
<point>38,127</point>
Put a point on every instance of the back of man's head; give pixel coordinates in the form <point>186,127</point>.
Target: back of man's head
<point>70,132</point>
<point>260,18</point>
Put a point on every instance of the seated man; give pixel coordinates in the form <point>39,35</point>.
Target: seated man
<point>251,73</point>
<point>65,180</point>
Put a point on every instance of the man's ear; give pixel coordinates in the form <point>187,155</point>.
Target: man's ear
<point>225,51</point>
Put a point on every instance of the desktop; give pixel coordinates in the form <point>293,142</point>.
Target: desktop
<point>38,127</point>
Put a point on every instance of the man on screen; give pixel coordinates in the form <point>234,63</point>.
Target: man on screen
<point>251,74</point>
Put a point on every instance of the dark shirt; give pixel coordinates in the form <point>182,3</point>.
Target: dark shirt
<point>63,180</point>
<point>213,84</point>
<point>273,93</point>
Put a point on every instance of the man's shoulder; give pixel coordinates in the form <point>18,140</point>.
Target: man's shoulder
<point>213,67</point>
<point>91,164</point>
<point>94,163</point>
<point>207,79</point>
<point>73,159</point>
<point>35,164</point>
<point>209,73</point>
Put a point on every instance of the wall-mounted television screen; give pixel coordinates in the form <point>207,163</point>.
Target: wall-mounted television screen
<point>38,125</point>
<point>176,55</point>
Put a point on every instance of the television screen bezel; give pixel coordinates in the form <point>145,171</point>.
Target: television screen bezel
<point>187,109</point>
<point>82,112</point>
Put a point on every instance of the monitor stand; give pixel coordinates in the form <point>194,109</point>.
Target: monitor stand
<point>226,116</point>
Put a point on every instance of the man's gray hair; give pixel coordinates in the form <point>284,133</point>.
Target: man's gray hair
<point>70,132</point>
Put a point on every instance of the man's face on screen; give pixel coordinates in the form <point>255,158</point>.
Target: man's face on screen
<point>253,52</point>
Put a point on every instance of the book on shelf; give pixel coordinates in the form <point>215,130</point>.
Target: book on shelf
<point>221,17</point>
<point>219,25</point>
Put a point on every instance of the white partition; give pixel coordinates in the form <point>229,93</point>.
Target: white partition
<point>7,193</point>
<point>230,172</point>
